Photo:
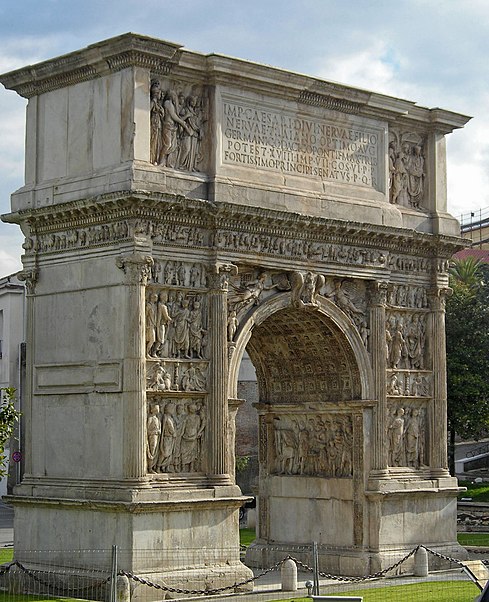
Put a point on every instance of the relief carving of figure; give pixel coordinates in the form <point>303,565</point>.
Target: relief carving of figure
<point>247,295</point>
<point>150,314</point>
<point>305,288</point>
<point>406,169</point>
<point>181,332</point>
<point>162,321</point>
<point>342,299</point>
<point>153,428</point>
<point>412,436</point>
<point>192,432</point>
<point>190,140</point>
<point>160,379</point>
<point>156,122</point>
<point>167,441</point>
<point>232,325</point>
<point>195,330</point>
<point>171,121</point>
<point>396,439</point>
<point>193,380</point>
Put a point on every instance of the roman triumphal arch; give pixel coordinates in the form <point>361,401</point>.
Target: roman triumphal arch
<point>178,209</point>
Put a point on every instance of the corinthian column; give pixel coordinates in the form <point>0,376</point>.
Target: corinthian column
<point>137,269</point>
<point>378,300</point>
<point>438,419</point>
<point>218,468</point>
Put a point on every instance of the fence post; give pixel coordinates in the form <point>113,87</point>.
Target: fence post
<point>421,563</point>
<point>288,574</point>
<point>113,575</point>
<point>315,566</point>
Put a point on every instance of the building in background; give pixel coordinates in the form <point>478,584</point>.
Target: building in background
<point>474,225</point>
<point>12,303</point>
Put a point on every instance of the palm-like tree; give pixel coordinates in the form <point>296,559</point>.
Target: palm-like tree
<point>466,273</point>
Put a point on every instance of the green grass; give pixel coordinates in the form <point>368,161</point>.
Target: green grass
<point>431,591</point>
<point>6,555</point>
<point>246,536</point>
<point>4,597</point>
<point>479,492</point>
<point>473,539</point>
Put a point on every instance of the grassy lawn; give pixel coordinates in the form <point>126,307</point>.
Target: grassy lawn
<point>4,597</point>
<point>479,492</point>
<point>473,539</point>
<point>246,536</point>
<point>433,591</point>
<point>6,555</point>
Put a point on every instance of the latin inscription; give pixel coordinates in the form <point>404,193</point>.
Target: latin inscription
<point>258,138</point>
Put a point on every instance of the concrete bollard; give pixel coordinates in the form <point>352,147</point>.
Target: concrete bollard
<point>421,563</point>
<point>251,518</point>
<point>123,589</point>
<point>288,574</point>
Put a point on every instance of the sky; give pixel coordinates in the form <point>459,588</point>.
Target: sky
<point>428,51</point>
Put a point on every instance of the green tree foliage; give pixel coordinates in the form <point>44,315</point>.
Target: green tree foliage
<point>9,416</point>
<point>467,332</point>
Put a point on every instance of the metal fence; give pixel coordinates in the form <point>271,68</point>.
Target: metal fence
<point>422,574</point>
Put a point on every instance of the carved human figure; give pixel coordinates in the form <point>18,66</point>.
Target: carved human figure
<point>195,330</point>
<point>249,294</point>
<point>343,301</point>
<point>162,321</point>
<point>181,274</point>
<point>188,156</point>
<point>150,315</point>
<point>171,120</point>
<point>167,441</point>
<point>416,176</point>
<point>195,276</point>
<point>398,344</point>
<point>181,333</point>
<point>285,446</point>
<point>180,418</point>
<point>193,379</point>
<point>156,122</point>
<point>153,429</point>
<point>192,432</point>
<point>232,325</point>
<point>161,379</point>
<point>396,439</point>
<point>392,172</point>
<point>412,435</point>
<point>393,388</point>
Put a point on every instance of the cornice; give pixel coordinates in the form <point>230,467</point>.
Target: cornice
<point>142,205</point>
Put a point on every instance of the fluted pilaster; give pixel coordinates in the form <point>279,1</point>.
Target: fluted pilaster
<point>378,299</point>
<point>136,267</point>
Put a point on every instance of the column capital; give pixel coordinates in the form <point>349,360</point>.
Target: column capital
<point>219,275</point>
<point>136,266</point>
<point>378,293</point>
<point>30,277</point>
<point>437,297</point>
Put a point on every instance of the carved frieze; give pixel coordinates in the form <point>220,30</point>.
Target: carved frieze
<point>406,436</point>
<point>401,295</point>
<point>314,445</point>
<point>178,116</point>
<point>173,375</point>
<point>175,431</point>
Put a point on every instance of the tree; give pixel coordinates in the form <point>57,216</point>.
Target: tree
<point>9,416</point>
<point>467,335</point>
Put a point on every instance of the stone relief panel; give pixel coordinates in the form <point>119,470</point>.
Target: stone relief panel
<point>175,435</point>
<point>407,173</point>
<point>405,340</point>
<point>400,295</point>
<point>406,436</point>
<point>176,324</point>
<point>176,376</point>
<point>178,116</point>
<point>405,384</point>
<point>178,273</point>
<point>314,444</point>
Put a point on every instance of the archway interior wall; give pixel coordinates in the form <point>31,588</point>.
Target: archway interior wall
<point>311,430</point>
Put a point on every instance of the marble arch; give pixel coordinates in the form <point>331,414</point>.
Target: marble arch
<point>178,207</point>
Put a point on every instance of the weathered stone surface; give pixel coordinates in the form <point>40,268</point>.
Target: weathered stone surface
<point>180,209</point>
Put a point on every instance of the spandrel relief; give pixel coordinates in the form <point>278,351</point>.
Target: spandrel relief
<point>314,445</point>
<point>406,436</point>
<point>409,384</point>
<point>407,173</point>
<point>305,288</point>
<point>176,324</point>
<point>406,340</point>
<point>175,432</point>
<point>178,115</point>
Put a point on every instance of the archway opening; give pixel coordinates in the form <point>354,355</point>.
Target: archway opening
<point>310,433</point>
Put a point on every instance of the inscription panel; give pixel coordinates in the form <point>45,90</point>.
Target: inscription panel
<point>261,137</point>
